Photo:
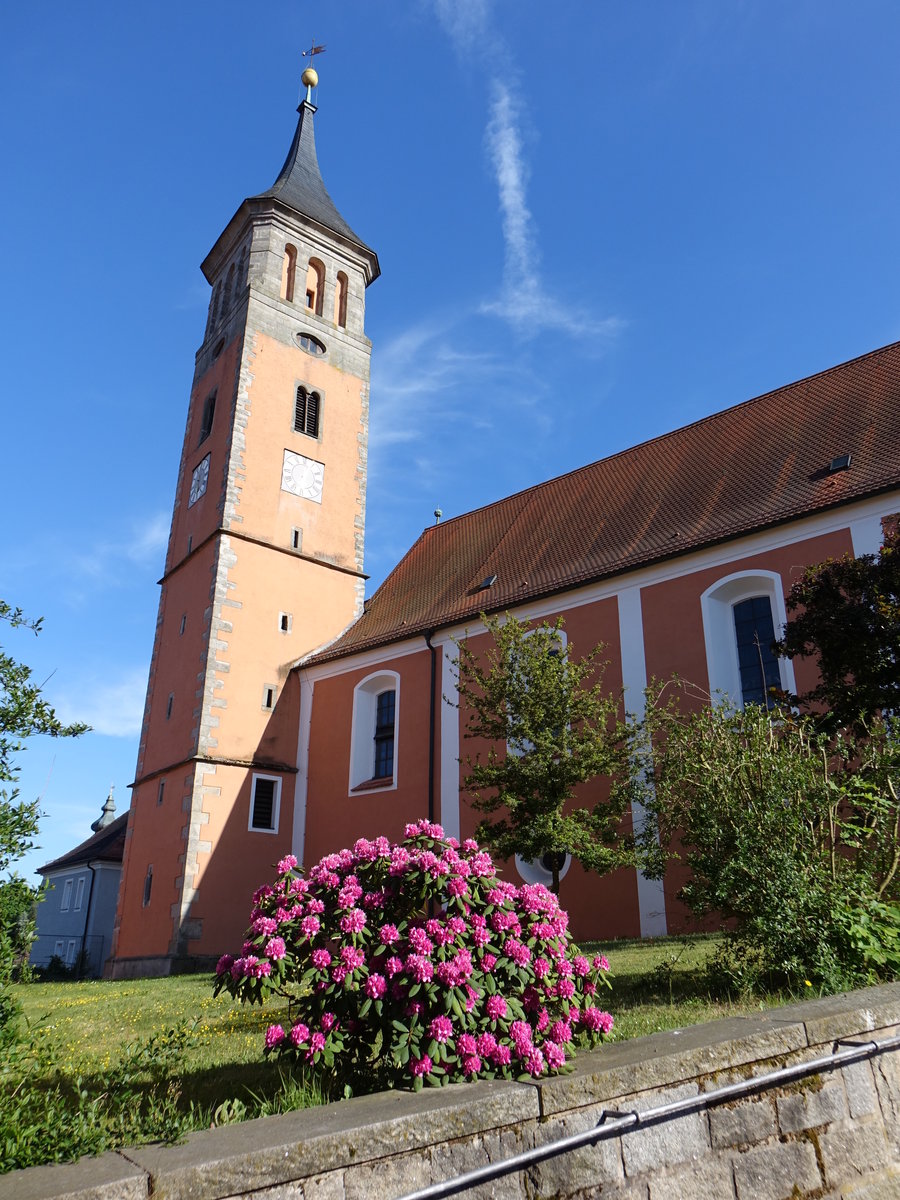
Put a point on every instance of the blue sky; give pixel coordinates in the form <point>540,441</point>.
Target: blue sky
<point>596,221</point>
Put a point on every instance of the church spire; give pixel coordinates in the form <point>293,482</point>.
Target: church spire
<point>299,184</point>
<point>108,814</point>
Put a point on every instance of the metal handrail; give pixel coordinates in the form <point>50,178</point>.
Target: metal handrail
<point>613,1122</point>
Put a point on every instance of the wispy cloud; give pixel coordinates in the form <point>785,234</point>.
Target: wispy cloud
<point>143,547</point>
<point>419,376</point>
<point>114,707</point>
<point>524,301</point>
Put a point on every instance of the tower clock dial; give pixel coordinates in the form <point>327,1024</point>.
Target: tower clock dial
<point>199,480</point>
<point>302,476</point>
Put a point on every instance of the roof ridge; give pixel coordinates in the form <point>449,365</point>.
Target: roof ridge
<point>662,437</point>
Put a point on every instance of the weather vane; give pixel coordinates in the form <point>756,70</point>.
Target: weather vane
<point>314,49</point>
<point>310,77</point>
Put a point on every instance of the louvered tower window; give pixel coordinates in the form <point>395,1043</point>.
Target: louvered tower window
<point>306,412</point>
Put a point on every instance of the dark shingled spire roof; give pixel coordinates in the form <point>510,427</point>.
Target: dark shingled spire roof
<point>759,464</point>
<point>299,184</point>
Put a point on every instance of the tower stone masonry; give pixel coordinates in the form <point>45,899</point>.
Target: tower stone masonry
<point>264,564</point>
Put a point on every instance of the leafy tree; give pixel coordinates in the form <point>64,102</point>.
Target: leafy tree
<point>845,613</point>
<point>790,834</point>
<point>23,713</point>
<point>551,725</point>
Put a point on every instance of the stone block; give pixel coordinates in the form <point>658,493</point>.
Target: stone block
<point>650,1062</point>
<point>709,1180</point>
<point>451,1159</point>
<point>390,1177</point>
<point>886,1187</point>
<point>324,1187</point>
<point>746,1122</point>
<point>591,1166</point>
<point>886,1073</point>
<point>808,1109</point>
<point>779,1171</point>
<point>638,1190</point>
<point>850,1155</point>
<point>850,1014</point>
<point>274,1150</point>
<point>859,1087</point>
<point>288,1191</point>
<point>107,1177</point>
<point>666,1142</point>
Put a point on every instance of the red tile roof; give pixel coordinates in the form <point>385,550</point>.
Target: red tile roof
<point>758,464</point>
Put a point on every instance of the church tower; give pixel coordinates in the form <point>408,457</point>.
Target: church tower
<point>264,563</point>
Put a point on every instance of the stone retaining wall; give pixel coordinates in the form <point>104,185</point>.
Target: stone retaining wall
<point>835,1134</point>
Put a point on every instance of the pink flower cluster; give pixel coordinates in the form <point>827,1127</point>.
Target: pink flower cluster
<point>418,954</point>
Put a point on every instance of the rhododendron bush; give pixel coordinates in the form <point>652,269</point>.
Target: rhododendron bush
<point>413,963</point>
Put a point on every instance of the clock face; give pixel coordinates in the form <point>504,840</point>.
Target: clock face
<point>302,476</point>
<point>199,480</point>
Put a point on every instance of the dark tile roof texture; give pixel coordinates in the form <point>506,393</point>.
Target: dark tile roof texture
<point>750,467</point>
<point>106,845</point>
<point>299,184</point>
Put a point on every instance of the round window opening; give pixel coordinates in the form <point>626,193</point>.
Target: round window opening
<point>540,870</point>
<point>310,344</point>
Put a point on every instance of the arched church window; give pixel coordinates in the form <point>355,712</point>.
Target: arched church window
<point>742,615</point>
<point>373,737</point>
<point>306,412</point>
<point>315,286</point>
<point>340,300</point>
<point>214,307</point>
<point>209,412</point>
<point>754,633</point>
<point>288,272</point>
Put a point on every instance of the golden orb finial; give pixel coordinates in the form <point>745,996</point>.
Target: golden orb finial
<point>310,77</point>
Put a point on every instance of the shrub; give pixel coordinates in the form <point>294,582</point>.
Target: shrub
<point>789,834</point>
<point>413,963</point>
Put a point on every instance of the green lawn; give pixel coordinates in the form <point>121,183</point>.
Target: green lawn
<point>64,1097</point>
<point>656,985</point>
<point>89,1024</point>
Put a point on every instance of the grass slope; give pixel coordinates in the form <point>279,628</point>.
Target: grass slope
<point>83,1087</point>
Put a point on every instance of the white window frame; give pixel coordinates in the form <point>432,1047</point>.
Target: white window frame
<point>79,894</point>
<point>70,952</point>
<point>66,903</point>
<point>59,948</point>
<point>717,607</point>
<point>362,730</point>
<point>276,803</point>
<point>535,871</point>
